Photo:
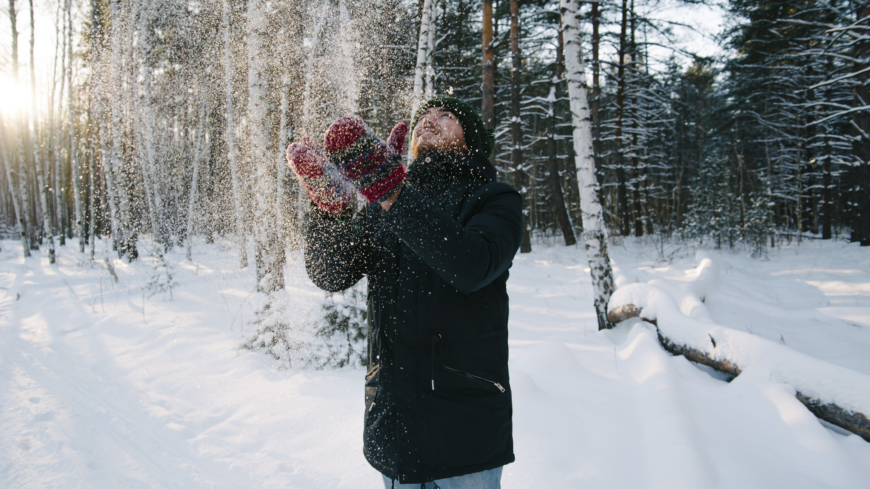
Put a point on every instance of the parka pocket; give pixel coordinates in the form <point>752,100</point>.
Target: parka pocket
<point>469,366</point>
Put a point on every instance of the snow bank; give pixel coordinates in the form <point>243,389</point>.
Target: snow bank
<point>682,318</point>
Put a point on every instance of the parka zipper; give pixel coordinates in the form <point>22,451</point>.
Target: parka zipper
<point>435,339</point>
<point>496,384</point>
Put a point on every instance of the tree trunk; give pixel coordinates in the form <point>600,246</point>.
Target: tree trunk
<point>57,140</point>
<point>594,232</point>
<point>860,171</point>
<point>13,192</point>
<point>145,116</point>
<point>622,191</point>
<point>849,420</point>
<point>283,141</point>
<point>37,150</point>
<point>270,273</point>
<point>92,189</point>
<point>127,232</point>
<point>596,85</point>
<point>488,102</point>
<point>73,154</point>
<point>555,178</point>
<point>635,126</point>
<point>194,181</point>
<point>231,143</point>
<point>24,207</point>
<point>429,90</point>
<point>520,180</point>
<point>426,26</point>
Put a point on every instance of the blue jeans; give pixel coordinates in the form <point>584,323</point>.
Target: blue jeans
<point>488,479</point>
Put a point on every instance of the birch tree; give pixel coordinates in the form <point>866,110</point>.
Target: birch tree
<point>594,232</point>
<point>73,154</point>
<point>423,46</point>
<point>37,150</point>
<point>194,181</point>
<point>231,142</point>
<point>269,252</point>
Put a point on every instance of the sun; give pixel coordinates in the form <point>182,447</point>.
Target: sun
<point>13,98</point>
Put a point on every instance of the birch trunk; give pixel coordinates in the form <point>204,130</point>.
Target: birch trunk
<point>127,241</point>
<point>13,193</point>
<point>37,150</point>
<point>283,139</point>
<point>51,137</point>
<point>307,102</point>
<point>23,215</point>
<point>621,190</point>
<point>231,143</point>
<point>422,55</point>
<point>195,180</point>
<point>57,137</point>
<point>146,118</point>
<point>73,155</point>
<point>101,113</point>
<point>270,273</point>
<point>92,177</point>
<point>24,189</point>
<point>106,158</point>
<point>594,232</point>
<point>429,90</point>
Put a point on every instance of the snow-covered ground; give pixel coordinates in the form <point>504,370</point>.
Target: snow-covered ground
<point>104,385</point>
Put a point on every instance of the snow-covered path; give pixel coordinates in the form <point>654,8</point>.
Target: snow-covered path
<point>102,386</point>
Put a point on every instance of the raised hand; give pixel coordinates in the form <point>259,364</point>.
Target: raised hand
<point>309,163</point>
<point>373,167</point>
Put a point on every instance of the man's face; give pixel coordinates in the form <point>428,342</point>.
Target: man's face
<point>438,130</point>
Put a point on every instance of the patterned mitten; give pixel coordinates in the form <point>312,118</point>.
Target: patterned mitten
<point>309,163</point>
<point>372,166</point>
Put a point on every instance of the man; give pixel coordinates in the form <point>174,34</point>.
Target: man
<point>436,245</point>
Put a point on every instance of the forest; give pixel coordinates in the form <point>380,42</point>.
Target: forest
<point>170,118</point>
<point>695,182</point>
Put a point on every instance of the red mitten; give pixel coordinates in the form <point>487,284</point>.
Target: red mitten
<point>309,163</point>
<point>372,166</point>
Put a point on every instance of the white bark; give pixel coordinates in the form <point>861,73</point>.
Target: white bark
<point>24,189</point>
<point>37,150</point>
<point>195,180</point>
<point>24,207</point>
<point>51,139</point>
<point>231,143</point>
<point>16,204</point>
<point>145,117</point>
<point>127,242</point>
<point>282,144</point>
<point>306,96</point>
<point>429,90</point>
<point>73,155</point>
<point>57,138</point>
<point>92,228</point>
<point>106,158</point>
<point>594,232</point>
<point>347,102</point>
<point>426,26</point>
<point>270,274</point>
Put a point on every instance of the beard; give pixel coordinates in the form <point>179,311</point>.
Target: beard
<point>437,143</point>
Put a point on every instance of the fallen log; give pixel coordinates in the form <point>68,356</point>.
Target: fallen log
<point>852,421</point>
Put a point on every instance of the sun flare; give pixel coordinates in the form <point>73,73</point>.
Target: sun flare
<point>13,98</point>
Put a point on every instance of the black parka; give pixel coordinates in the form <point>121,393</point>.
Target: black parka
<point>437,395</point>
